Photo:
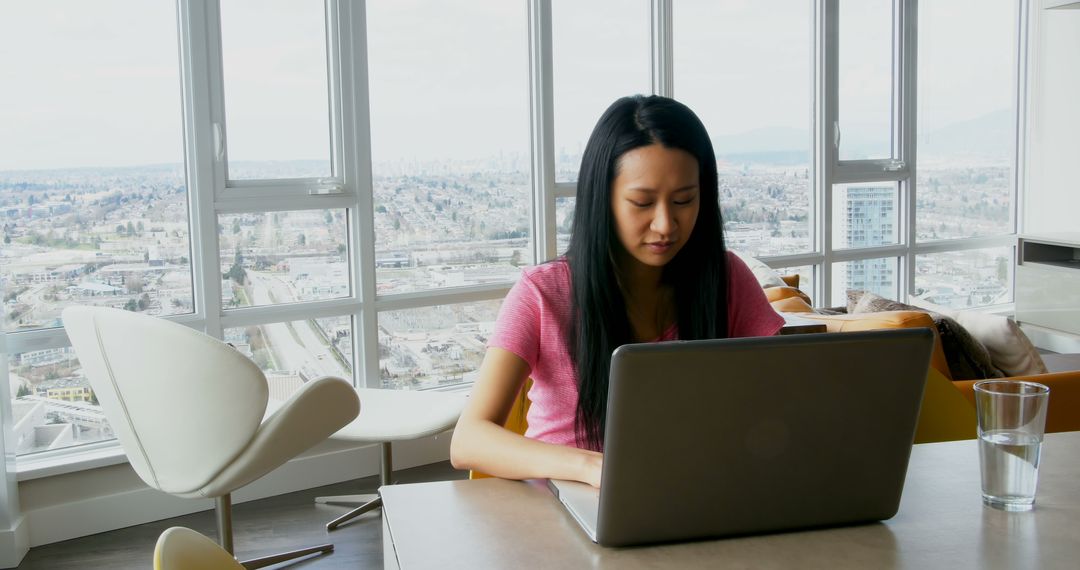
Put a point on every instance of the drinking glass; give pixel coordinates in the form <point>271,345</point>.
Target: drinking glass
<point>1012,419</point>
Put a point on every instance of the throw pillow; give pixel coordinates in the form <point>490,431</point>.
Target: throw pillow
<point>968,359</point>
<point>1010,349</point>
<point>853,298</point>
<point>766,276</point>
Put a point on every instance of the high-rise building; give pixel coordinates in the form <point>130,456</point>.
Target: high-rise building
<point>870,220</point>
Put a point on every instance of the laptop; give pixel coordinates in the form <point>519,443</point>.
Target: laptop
<point>713,438</point>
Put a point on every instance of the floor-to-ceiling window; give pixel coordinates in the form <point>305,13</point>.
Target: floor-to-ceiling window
<point>746,69</point>
<point>968,96</point>
<point>94,201</point>
<point>449,112</point>
<point>349,188</point>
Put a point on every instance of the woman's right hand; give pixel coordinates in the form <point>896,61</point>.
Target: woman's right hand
<point>593,464</point>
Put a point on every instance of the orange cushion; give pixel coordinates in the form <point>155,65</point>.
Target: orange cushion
<point>792,305</point>
<point>774,294</point>
<point>1063,408</point>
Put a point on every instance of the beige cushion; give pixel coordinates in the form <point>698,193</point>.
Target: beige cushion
<point>1010,349</point>
<point>766,276</point>
<point>397,415</point>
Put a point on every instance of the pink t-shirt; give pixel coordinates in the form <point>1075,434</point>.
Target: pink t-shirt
<point>532,324</point>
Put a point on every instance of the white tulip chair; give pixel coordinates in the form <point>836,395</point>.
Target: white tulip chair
<point>189,410</point>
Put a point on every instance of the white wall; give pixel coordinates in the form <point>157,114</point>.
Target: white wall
<point>1052,201</point>
<point>62,507</point>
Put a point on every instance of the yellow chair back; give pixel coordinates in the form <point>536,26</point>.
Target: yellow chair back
<point>180,548</point>
<point>946,415</point>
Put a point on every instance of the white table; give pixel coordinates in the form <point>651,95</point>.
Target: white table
<point>495,523</point>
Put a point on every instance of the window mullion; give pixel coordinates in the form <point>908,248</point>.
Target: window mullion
<point>541,111</point>
<point>826,152</point>
<point>906,73</point>
<point>566,189</point>
<point>662,43</point>
<point>200,46</point>
<point>869,171</point>
<point>351,31</point>
<point>1021,104</point>
<point>334,93</point>
<point>212,87</point>
<point>284,203</point>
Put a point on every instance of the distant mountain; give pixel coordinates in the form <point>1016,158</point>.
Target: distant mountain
<point>768,139</point>
<point>775,158</point>
<point>991,134</point>
<point>987,135</point>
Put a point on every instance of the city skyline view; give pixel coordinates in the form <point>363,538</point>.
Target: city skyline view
<point>119,237</point>
<point>94,201</point>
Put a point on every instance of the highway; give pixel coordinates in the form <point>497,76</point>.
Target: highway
<point>303,352</point>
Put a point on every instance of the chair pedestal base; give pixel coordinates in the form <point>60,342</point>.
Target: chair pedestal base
<point>223,509</point>
<point>367,503</point>
<point>347,500</point>
<point>264,561</point>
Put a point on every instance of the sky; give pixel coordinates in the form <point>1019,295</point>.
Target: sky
<point>82,86</point>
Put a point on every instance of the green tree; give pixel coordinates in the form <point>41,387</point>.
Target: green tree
<point>236,273</point>
<point>23,391</point>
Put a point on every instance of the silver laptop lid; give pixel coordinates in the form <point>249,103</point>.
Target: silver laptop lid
<point>738,436</point>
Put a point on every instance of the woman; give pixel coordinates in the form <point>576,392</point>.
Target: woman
<point>646,263</point>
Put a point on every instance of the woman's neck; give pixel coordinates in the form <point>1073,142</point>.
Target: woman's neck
<point>635,277</point>
<point>649,304</point>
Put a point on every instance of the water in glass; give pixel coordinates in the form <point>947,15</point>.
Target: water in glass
<point>1010,468</point>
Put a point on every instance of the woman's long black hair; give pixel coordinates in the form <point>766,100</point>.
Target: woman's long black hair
<point>698,273</point>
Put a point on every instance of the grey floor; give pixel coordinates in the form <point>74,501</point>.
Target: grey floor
<point>261,527</point>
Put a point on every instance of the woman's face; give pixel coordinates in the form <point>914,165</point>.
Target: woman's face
<point>655,201</point>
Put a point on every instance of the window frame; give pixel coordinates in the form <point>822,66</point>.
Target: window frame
<point>211,194</point>
<point>338,183</point>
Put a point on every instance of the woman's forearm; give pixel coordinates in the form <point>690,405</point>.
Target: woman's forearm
<point>484,446</point>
